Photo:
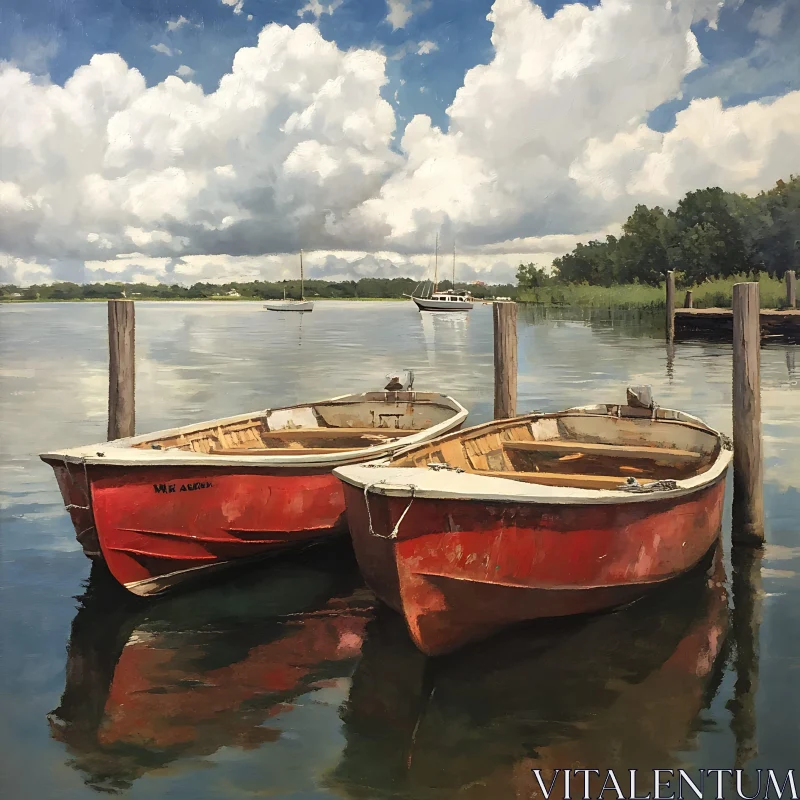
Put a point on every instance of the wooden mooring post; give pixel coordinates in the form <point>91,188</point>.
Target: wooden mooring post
<point>748,464</point>
<point>688,302</point>
<point>121,369</point>
<point>791,288</point>
<point>670,305</point>
<point>504,315</point>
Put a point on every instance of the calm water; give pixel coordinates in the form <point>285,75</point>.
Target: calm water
<point>287,680</point>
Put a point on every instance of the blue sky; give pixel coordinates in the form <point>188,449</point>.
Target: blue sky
<point>58,37</point>
<point>589,174</point>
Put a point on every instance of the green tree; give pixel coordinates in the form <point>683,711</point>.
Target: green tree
<point>774,227</point>
<point>706,239</point>
<point>591,263</point>
<point>529,276</point>
<point>641,252</point>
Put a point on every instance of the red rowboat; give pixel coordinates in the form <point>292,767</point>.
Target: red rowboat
<point>172,505</point>
<point>540,516</point>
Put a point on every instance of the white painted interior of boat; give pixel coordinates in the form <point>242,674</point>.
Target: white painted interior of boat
<point>382,412</point>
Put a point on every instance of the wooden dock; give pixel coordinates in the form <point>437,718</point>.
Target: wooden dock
<point>717,323</point>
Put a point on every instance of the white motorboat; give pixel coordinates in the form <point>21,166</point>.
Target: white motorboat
<point>444,301</point>
<point>448,300</point>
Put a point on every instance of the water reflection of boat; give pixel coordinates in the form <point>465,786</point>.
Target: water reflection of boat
<point>621,691</point>
<point>151,685</point>
<point>445,335</point>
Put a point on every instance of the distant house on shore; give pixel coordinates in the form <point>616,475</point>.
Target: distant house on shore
<point>233,293</point>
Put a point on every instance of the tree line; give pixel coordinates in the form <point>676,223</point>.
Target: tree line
<point>367,288</point>
<point>710,234</point>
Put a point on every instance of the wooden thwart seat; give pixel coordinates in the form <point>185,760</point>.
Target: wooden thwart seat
<point>332,433</point>
<point>276,451</point>
<point>562,448</point>
<point>571,481</point>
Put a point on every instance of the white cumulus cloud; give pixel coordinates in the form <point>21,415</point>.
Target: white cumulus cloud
<point>184,71</point>
<point>525,128</point>
<point>425,48</point>
<point>161,48</point>
<point>296,136</point>
<point>176,24</point>
<point>237,5</point>
<point>317,9</point>
<point>399,13</point>
<point>546,143</point>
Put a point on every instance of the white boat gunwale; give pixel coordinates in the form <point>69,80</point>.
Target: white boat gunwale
<point>381,478</point>
<point>122,452</point>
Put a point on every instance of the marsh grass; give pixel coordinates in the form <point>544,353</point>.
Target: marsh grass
<point>715,293</point>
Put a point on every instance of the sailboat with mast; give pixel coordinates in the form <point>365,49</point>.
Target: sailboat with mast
<point>447,300</point>
<point>293,305</point>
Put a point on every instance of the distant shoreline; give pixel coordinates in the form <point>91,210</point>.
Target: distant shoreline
<point>20,300</point>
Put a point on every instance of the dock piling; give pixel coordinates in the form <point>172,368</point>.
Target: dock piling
<point>748,465</point>
<point>688,302</point>
<point>504,315</point>
<point>791,288</point>
<point>670,305</point>
<point>121,369</point>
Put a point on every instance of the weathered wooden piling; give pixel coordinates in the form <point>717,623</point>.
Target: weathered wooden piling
<point>688,302</point>
<point>505,359</point>
<point>121,369</point>
<point>670,305</point>
<point>791,289</point>
<point>748,465</point>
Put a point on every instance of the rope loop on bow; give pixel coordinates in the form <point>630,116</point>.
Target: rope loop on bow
<point>394,531</point>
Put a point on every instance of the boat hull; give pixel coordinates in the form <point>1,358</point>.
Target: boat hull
<point>157,527</point>
<point>169,506</point>
<point>305,305</point>
<point>424,304</point>
<point>459,570</point>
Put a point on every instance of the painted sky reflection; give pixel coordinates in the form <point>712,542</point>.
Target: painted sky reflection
<point>287,680</point>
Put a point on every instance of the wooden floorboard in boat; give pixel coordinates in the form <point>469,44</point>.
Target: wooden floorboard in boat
<point>332,433</point>
<point>631,451</point>
<point>561,479</point>
<point>279,451</point>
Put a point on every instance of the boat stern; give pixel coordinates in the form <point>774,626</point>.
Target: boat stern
<point>73,483</point>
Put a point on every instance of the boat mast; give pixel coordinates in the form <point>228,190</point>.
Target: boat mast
<point>301,276</point>
<point>436,265</point>
<point>454,265</point>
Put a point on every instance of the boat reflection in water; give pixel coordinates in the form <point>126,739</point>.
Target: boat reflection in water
<point>622,690</point>
<point>150,684</point>
<point>445,334</point>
